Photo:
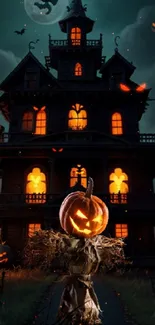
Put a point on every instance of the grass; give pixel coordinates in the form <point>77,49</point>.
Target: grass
<point>22,291</point>
<point>137,296</point>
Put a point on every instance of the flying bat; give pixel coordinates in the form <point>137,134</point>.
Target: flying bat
<point>46,5</point>
<point>20,32</point>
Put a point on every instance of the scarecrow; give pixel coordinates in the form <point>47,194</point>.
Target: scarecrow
<point>81,251</point>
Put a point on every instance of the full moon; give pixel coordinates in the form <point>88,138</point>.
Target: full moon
<point>39,15</point>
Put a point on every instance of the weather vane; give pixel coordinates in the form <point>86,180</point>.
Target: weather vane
<point>116,43</point>
<point>32,42</point>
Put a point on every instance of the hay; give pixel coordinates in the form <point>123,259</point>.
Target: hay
<point>75,255</point>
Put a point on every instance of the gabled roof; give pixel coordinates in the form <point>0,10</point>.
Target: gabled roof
<point>20,66</point>
<point>117,56</point>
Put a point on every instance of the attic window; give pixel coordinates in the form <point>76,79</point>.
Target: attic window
<point>31,79</point>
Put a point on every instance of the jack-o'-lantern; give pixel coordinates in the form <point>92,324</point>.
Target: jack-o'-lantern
<point>83,214</point>
<point>5,253</point>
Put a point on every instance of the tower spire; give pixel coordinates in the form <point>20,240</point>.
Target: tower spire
<point>76,11</point>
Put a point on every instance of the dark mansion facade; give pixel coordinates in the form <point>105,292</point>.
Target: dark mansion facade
<point>63,130</point>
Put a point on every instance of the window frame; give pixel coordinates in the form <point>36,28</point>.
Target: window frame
<point>116,121</point>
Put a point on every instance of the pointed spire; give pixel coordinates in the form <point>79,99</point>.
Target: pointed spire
<point>76,10</point>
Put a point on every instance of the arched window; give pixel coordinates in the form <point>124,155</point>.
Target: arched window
<point>78,69</point>
<point>77,117</point>
<point>41,121</point>
<point>121,230</point>
<point>76,36</point>
<point>36,186</point>
<point>27,122</point>
<point>117,128</point>
<point>118,185</point>
<point>78,174</point>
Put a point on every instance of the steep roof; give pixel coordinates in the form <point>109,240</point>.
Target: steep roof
<point>76,11</point>
<point>29,57</point>
<point>117,57</point>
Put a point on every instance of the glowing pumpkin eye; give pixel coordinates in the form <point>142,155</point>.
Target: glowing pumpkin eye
<point>124,87</point>
<point>98,219</point>
<point>81,215</point>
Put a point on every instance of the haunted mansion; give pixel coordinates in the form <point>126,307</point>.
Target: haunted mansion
<point>84,122</point>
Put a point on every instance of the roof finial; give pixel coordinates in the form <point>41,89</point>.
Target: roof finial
<point>115,40</point>
<point>32,42</point>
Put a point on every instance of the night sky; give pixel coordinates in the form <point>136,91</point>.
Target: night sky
<point>131,20</point>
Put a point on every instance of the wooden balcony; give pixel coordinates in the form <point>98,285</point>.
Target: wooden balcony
<point>71,137</point>
<point>118,201</point>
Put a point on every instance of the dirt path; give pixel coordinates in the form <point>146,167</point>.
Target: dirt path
<point>113,313</point>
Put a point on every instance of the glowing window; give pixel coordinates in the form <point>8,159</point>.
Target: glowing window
<point>78,69</point>
<point>78,173</point>
<point>117,124</point>
<point>27,122</point>
<point>118,186</point>
<point>32,228</point>
<point>77,118</point>
<point>121,230</point>
<point>76,36</point>
<point>41,121</point>
<point>36,187</point>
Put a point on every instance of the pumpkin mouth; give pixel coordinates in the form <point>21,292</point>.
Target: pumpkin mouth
<point>75,226</point>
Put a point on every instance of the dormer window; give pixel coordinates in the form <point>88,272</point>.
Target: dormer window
<point>117,128</point>
<point>31,79</point>
<point>27,122</point>
<point>78,69</point>
<point>76,36</point>
<point>77,117</point>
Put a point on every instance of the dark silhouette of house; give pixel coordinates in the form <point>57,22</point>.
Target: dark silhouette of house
<point>83,123</point>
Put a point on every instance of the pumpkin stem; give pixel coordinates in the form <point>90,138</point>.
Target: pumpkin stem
<point>90,186</point>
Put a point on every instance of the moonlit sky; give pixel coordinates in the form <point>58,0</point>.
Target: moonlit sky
<point>130,19</point>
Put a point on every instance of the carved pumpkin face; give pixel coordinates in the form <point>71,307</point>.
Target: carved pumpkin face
<point>4,253</point>
<point>83,214</point>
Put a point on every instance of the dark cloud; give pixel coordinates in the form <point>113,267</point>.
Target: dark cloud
<point>8,61</point>
<point>137,44</point>
<point>138,40</point>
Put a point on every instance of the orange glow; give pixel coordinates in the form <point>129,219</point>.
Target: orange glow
<point>124,87</point>
<point>118,185</point>
<point>35,108</point>
<point>27,122</point>
<point>141,87</point>
<point>36,184</point>
<point>78,69</point>
<point>41,121</point>
<point>57,150</point>
<point>74,176</point>
<point>3,258</point>
<point>76,36</point>
<point>81,215</point>
<point>117,128</point>
<point>77,117</point>
<point>32,228</point>
<point>121,230</point>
